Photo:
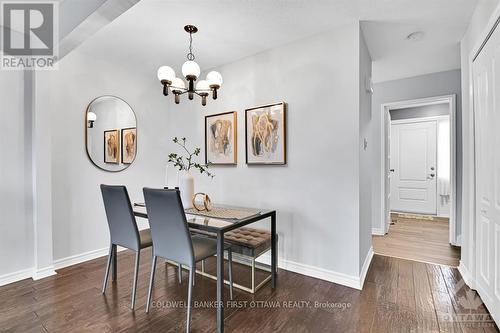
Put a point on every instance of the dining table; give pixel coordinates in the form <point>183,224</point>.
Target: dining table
<point>203,221</point>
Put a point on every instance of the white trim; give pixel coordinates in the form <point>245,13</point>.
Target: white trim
<point>321,273</point>
<point>419,120</point>
<point>378,231</point>
<point>451,101</point>
<point>366,266</point>
<point>42,273</point>
<point>466,275</point>
<point>58,264</point>
<point>16,276</point>
<point>83,257</point>
<point>79,258</point>
<point>351,281</point>
<point>385,210</point>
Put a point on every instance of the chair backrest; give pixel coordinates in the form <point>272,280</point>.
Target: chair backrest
<point>169,229</point>
<point>121,220</point>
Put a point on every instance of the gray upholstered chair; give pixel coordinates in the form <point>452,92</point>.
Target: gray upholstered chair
<point>123,231</point>
<point>173,241</point>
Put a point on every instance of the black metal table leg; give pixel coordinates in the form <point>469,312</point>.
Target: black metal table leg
<point>114,271</point>
<point>274,251</point>
<point>220,282</point>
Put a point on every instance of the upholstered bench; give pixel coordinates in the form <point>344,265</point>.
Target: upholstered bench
<point>246,242</point>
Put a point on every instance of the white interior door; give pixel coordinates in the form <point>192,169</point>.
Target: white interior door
<point>486,80</point>
<point>413,167</point>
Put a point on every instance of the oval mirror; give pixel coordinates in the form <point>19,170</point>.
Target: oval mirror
<point>111,133</point>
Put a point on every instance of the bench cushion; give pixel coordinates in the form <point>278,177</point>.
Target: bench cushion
<point>247,241</point>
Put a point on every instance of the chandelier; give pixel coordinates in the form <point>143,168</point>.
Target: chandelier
<point>191,72</point>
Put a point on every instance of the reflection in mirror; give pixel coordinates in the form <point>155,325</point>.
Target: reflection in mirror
<point>111,131</point>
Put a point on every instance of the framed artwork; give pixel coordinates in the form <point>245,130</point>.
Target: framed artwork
<point>112,146</point>
<point>129,144</point>
<point>265,134</point>
<point>220,139</point>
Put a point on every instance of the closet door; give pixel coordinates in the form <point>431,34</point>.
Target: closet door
<point>486,81</point>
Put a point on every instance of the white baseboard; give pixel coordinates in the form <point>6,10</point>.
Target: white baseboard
<point>466,275</point>
<point>16,276</point>
<point>292,266</point>
<point>365,267</point>
<point>43,272</point>
<point>51,270</point>
<point>82,257</point>
<point>79,258</point>
<point>351,281</point>
<point>378,231</point>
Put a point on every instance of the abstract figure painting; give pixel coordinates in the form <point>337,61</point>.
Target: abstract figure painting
<point>265,134</point>
<point>220,138</point>
<point>129,144</point>
<point>112,146</point>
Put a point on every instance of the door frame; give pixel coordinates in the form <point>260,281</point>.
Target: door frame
<point>451,100</point>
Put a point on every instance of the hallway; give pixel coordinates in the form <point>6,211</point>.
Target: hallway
<point>419,239</point>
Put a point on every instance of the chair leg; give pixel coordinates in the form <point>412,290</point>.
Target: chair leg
<point>106,275</point>
<point>190,289</point>
<point>180,273</point>
<point>114,273</point>
<point>151,282</point>
<point>136,273</point>
<point>230,259</point>
<point>203,265</point>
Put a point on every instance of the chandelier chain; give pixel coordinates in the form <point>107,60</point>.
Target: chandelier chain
<point>190,55</point>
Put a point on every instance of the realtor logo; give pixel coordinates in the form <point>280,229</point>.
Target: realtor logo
<point>29,34</point>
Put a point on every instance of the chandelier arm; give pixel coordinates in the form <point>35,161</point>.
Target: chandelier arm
<point>197,92</point>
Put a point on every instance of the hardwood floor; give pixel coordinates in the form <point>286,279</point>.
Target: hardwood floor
<point>398,296</point>
<point>418,239</point>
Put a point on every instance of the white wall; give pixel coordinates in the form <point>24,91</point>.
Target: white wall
<point>16,227</point>
<point>365,165</point>
<point>472,37</point>
<point>79,222</point>
<point>437,84</point>
<point>317,193</point>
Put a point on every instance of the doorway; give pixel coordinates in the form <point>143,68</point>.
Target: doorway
<point>418,181</point>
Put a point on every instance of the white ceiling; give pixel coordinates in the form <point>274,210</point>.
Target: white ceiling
<point>151,32</point>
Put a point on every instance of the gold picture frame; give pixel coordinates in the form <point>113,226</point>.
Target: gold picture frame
<point>112,146</point>
<point>221,138</point>
<point>265,134</point>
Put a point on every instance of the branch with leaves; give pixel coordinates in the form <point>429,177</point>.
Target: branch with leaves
<point>187,162</point>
